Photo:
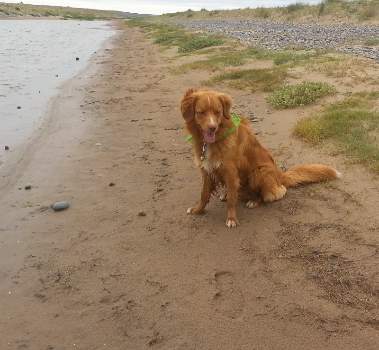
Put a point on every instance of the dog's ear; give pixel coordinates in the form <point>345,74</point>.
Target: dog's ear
<point>188,105</point>
<point>226,101</point>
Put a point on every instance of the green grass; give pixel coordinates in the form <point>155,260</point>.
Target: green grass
<point>352,124</point>
<point>372,41</point>
<point>197,42</point>
<point>327,10</point>
<point>234,57</point>
<point>21,9</point>
<point>295,7</point>
<point>170,36</point>
<point>290,96</point>
<point>253,79</point>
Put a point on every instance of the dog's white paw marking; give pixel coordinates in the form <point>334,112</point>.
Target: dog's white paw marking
<point>338,174</point>
<point>231,223</point>
<point>252,204</point>
<point>189,211</point>
<point>222,197</point>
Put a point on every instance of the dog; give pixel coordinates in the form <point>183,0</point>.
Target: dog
<point>229,155</point>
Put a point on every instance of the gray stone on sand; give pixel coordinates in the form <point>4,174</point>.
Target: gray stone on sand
<point>58,206</point>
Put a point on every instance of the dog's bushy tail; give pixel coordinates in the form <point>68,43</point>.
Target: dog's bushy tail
<point>310,173</point>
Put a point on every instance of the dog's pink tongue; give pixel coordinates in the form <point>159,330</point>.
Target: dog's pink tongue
<point>209,137</point>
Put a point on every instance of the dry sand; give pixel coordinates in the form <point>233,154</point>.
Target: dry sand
<point>301,273</point>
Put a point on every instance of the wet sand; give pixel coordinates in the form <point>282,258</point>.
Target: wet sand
<point>298,274</point>
<point>36,58</point>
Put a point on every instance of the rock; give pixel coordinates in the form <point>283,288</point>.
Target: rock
<point>6,148</point>
<point>281,35</point>
<point>77,58</point>
<point>28,187</point>
<point>59,206</point>
<point>111,184</point>
<point>18,107</point>
<point>141,213</point>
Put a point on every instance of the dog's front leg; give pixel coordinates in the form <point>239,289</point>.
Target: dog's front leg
<point>208,187</point>
<point>232,183</point>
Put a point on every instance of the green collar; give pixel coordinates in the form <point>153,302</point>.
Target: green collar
<point>236,119</point>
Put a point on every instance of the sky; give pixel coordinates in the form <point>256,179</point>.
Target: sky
<point>164,6</point>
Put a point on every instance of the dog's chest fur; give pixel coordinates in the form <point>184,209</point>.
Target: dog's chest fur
<point>209,164</point>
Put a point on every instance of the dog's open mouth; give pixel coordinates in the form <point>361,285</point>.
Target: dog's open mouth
<point>209,136</point>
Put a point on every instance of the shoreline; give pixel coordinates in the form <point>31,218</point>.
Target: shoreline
<point>14,162</point>
<point>126,268</point>
<point>13,18</point>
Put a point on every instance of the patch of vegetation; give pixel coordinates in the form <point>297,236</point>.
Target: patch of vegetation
<point>170,35</point>
<point>293,57</point>
<point>352,124</point>
<point>295,7</point>
<point>321,9</point>
<point>215,62</point>
<point>262,12</point>
<point>22,9</point>
<point>352,69</point>
<point>253,79</point>
<point>198,42</point>
<point>80,17</point>
<point>352,10</point>
<point>372,41</point>
<point>234,57</point>
<point>369,11</point>
<point>306,93</point>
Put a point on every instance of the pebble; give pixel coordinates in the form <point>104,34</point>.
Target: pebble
<point>281,35</point>
<point>18,107</point>
<point>77,58</point>
<point>58,206</point>
<point>28,187</point>
<point>112,184</point>
<point>6,148</point>
<point>141,213</point>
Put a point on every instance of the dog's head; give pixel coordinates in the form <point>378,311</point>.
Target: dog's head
<point>207,110</point>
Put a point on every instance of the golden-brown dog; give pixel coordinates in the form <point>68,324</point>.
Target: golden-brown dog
<point>231,156</point>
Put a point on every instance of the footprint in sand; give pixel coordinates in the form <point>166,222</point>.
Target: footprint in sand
<point>228,299</point>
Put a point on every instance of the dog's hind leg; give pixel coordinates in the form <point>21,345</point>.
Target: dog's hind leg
<point>271,189</point>
<point>274,193</point>
<point>267,184</point>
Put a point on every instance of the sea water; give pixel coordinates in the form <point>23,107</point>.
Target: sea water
<point>36,57</point>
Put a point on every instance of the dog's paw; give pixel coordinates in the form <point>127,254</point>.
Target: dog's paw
<point>222,195</point>
<point>252,204</point>
<point>275,194</point>
<point>231,223</point>
<point>189,211</point>
<point>194,211</point>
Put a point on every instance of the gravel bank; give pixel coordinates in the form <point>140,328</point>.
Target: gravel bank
<point>274,35</point>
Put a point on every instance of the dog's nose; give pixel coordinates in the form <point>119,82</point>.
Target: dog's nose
<point>212,129</point>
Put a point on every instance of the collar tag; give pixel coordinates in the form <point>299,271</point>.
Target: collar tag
<point>203,151</point>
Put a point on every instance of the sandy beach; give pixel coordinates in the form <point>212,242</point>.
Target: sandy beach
<point>125,268</point>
